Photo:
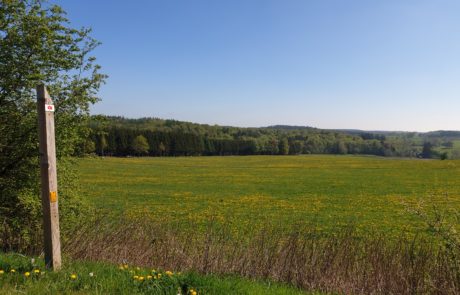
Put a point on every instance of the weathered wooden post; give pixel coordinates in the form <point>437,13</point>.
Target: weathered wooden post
<point>49,193</point>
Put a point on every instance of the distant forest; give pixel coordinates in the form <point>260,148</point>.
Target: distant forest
<point>118,136</point>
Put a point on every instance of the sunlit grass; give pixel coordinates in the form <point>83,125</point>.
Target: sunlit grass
<point>324,190</point>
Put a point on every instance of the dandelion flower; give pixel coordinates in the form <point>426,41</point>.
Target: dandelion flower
<point>135,277</point>
<point>125,266</point>
<point>12,270</point>
<point>169,273</point>
<point>37,271</point>
<point>27,274</point>
<point>2,271</point>
<point>149,277</point>
<point>73,276</point>
<point>141,278</point>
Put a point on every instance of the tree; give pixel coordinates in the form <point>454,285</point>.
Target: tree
<point>89,147</point>
<point>140,145</point>
<point>448,144</point>
<point>38,46</point>
<point>443,156</point>
<point>427,151</point>
<point>101,142</point>
<point>284,146</point>
<point>295,147</point>
<point>341,147</point>
<point>161,149</point>
<point>455,154</point>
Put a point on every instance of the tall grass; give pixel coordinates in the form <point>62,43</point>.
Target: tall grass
<point>344,262</point>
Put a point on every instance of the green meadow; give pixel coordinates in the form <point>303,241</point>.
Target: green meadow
<point>372,193</point>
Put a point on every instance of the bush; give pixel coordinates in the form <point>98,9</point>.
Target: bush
<point>38,47</point>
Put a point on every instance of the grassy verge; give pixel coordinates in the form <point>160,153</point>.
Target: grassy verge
<point>19,274</point>
<point>345,262</point>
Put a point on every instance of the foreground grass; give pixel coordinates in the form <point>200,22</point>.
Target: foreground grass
<point>344,262</point>
<point>18,274</point>
<point>326,190</point>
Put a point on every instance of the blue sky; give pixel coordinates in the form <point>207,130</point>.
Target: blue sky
<point>375,65</point>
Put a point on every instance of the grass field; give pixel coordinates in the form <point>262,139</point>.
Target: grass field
<point>256,225</point>
<point>18,275</point>
<point>324,190</point>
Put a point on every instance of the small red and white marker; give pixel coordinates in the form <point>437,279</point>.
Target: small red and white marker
<point>49,107</point>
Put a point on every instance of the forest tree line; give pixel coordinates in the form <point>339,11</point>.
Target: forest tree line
<point>118,136</point>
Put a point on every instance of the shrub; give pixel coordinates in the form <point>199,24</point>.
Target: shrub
<point>38,47</point>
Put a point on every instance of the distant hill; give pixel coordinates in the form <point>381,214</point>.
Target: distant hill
<point>289,127</point>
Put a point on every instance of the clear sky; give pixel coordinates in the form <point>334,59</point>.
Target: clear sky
<point>371,64</point>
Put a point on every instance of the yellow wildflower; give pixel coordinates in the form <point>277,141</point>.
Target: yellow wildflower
<point>27,274</point>
<point>73,276</point>
<point>125,266</point>
<point>159,275</point>
<point>149,277</point>
<point>141,278</point>
<point>2,271</point>
<point>138,268</point>
<point>169,273</point>
<point>36,271</point>
<point>135,277</point>
<point>12,270</point>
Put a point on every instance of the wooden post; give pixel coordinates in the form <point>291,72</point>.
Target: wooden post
<point>48,179</point>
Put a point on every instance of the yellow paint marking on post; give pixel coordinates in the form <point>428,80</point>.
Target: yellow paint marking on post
<point>53,197</point>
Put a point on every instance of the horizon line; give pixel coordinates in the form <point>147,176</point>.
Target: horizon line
<point>281,125</point>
